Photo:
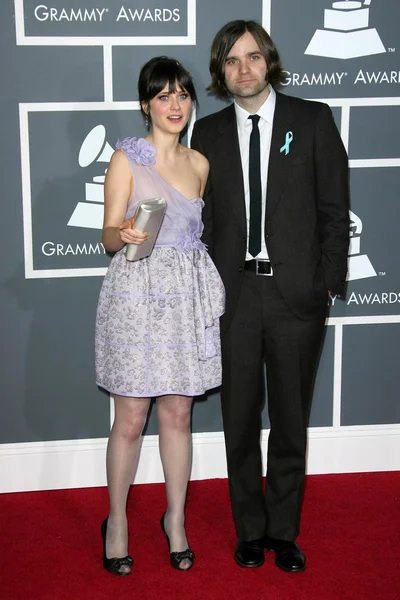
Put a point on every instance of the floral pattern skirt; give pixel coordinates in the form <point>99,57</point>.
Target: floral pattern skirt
<point>157,325</point>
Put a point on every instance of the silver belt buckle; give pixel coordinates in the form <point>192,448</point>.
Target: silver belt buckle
<point>260,261</point>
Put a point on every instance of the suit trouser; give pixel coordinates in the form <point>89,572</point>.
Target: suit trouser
<point>264,331</point>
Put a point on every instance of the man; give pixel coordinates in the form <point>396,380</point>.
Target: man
<point>276,222</point>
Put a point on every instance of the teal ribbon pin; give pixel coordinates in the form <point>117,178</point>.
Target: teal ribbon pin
<point>288,141</point>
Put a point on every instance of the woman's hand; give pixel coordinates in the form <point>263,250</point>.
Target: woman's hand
<point>131,236</point>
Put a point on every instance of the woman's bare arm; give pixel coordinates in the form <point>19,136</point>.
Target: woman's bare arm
<point>117,190</point>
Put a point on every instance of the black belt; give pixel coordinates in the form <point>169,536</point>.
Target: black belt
<point>259,266</point>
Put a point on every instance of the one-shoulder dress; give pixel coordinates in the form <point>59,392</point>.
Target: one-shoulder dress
<point>157,324</point>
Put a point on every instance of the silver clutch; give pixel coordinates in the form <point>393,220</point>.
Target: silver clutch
<point>148,217</point>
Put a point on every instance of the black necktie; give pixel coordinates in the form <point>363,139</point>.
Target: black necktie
<point>255,188</point>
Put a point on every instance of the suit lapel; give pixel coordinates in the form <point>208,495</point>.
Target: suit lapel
<point>279,162</point>
<point>227,147</point>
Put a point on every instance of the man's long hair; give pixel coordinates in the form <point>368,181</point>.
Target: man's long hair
<point>226,37</point>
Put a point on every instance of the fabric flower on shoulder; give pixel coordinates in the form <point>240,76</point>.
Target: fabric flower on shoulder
<point>138,149</point>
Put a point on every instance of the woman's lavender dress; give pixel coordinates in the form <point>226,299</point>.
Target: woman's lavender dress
<point>157,327</point>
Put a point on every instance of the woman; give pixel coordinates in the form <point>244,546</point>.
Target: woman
<point>157,329</point>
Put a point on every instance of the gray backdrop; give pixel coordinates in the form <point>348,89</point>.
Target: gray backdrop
<point>68,81</point>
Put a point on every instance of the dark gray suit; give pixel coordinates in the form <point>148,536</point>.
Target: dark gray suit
<point>278,319</point>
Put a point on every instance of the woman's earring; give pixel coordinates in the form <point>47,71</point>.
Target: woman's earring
<point>146,121</point>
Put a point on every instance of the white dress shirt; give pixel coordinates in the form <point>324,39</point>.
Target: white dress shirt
<point>244,127</point>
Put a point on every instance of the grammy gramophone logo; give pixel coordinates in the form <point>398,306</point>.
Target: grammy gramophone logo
<point>359,265</point>
<point>346,32</point>
<point>94,148</point>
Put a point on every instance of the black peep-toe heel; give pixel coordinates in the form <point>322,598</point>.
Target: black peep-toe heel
<point>177,557</point>
<point>113,565</point>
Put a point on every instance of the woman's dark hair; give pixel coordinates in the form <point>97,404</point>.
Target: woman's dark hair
<point>226,37</point>
<point>157,73</point>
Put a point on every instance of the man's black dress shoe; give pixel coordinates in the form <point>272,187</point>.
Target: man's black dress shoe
<point>289,556</point>
<point>250,554</point>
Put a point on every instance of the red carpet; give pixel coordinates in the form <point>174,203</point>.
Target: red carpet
<point>51,545</point>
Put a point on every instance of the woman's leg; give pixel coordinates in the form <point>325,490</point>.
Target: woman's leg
<point>122,448</point>
<point>174,413</point>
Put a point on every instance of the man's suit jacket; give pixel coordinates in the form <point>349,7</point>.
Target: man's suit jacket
<point>307,211</point>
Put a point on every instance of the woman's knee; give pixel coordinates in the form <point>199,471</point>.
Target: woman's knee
<point>130,430</point>
<point>130,420</point>
<point>175,416</point>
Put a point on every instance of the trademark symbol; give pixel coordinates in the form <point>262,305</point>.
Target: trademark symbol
<point>345,74</point>
<point>382,273</point>
<point>391,49</point>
